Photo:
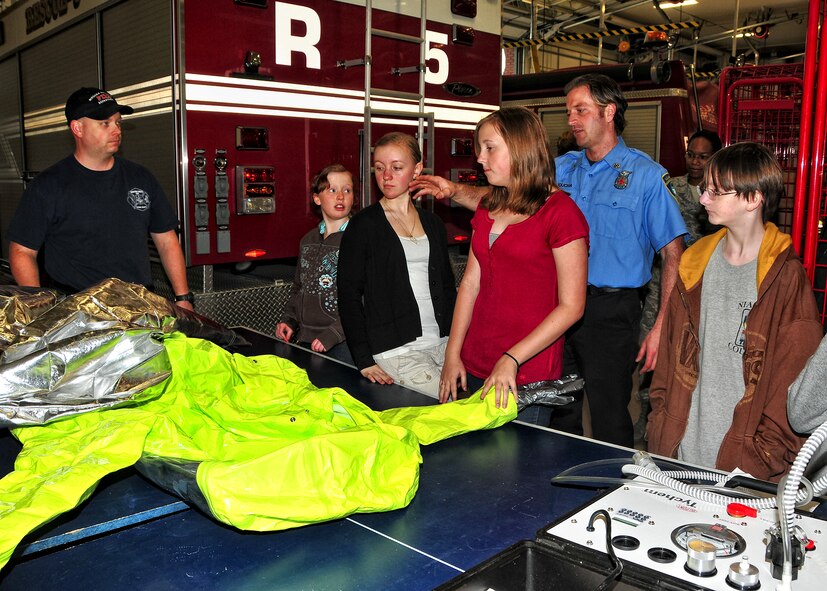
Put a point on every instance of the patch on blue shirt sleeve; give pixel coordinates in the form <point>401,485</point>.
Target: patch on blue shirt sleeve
<point>667,180</point>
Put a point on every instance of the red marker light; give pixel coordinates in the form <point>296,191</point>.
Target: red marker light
<point>461,238</point>
<point>255,253</point>
<point>260,190</point>
<point>259,175</point>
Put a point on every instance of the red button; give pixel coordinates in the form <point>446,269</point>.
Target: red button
<point>811,545</point>
<point>741,510</point>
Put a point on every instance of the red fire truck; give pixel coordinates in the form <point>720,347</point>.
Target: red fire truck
<point>239,102</point>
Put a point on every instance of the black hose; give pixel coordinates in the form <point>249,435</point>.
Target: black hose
<point>617,566</point>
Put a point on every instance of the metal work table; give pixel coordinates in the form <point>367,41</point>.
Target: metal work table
<point>478,494</point>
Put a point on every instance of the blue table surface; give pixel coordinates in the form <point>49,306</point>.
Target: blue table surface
<point>478,494</point>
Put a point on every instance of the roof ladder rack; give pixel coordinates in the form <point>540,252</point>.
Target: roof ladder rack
<point>425,121</point>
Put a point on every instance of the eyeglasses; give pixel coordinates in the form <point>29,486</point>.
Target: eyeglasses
<point>690,155</point>
<point>713,194</point>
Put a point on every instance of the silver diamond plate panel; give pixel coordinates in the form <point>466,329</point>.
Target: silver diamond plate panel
<point>459,269</point>
<point>259,308</point>
<point>246,300</point>
<point>236,300</point>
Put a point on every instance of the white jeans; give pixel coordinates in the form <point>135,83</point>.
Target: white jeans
<point>417,370</point>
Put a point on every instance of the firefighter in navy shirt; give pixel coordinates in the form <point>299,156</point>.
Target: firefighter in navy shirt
<point>91,212</point>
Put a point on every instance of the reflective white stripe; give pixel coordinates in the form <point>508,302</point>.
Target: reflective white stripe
<point>241,82</point>
<point>200,94</point>
<point>317,115</point>
<point>147,98</point>
<point>274,99</point>
<point>269,112</point>
<point>58,122</point>
<point>208,93</point>
<point>245,82</point>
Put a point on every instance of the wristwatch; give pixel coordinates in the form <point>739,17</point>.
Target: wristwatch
<point>187,297</point>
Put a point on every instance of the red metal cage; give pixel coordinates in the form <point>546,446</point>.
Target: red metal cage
<point>773,105</point>
<point>763,104</point>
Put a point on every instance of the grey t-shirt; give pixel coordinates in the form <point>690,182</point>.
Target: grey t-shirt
<point>727,295</point>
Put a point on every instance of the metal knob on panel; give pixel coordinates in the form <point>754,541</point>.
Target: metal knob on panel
<point>743,575</point>
<point>700,559</point>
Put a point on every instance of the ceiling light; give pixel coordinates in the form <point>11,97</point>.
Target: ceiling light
<point>677,3</point>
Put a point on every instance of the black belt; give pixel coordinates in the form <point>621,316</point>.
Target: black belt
<point>593,290</point>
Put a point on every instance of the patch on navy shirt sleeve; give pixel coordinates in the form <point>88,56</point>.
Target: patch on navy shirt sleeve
<point>667,180</point>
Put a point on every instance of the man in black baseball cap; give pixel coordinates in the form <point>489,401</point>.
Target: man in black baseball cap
<point>93,103</point>
<point>91,212</point>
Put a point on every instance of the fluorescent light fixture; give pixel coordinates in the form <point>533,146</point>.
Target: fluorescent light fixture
<point>677,3</point>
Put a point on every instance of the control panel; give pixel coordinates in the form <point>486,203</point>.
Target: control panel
<point>720,548</point>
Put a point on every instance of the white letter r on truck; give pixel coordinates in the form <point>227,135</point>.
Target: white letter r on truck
<point>287,43</point>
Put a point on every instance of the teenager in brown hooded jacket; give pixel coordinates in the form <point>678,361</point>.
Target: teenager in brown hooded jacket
<point>740,327</point>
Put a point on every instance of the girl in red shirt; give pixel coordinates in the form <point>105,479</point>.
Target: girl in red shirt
<point>525,280</point>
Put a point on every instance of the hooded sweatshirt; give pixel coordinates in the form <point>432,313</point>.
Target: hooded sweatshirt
<point>782,331</point>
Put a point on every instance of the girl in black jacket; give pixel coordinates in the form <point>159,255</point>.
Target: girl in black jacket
<point>396,285</point>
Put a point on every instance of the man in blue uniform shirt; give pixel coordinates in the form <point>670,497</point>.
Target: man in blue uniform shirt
<point>632,215</point>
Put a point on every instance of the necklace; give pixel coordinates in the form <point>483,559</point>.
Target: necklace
<point>400,222</point>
